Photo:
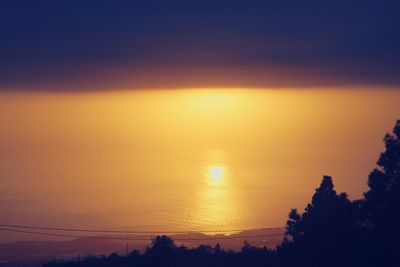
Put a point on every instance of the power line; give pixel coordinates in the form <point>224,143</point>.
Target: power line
<point>137,239</point>
<point>133,232</point>
<point>68,235</point>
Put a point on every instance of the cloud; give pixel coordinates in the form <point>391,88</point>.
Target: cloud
<point>89,45</point>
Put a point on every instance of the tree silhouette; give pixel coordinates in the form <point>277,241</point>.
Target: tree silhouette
<point>323,234</point>
<point>161,245</point>
<point>382,201</point>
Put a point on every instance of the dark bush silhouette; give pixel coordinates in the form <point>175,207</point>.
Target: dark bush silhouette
<point>163,252</point>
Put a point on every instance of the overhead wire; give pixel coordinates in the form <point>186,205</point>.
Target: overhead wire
<point>133,231</point>
<point>140,238</point>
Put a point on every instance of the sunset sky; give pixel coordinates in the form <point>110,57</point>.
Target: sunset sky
<point>189,115</point>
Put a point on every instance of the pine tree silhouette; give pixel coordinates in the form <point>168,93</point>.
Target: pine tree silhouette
<point>382,201</point>
<point>322,235</point>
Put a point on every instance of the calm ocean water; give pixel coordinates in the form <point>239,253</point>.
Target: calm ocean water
<point>183,160</point>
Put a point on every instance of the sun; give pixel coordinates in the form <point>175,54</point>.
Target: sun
<point>216,173</point>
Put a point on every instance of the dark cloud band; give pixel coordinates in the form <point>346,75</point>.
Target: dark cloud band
<point>78,45</point>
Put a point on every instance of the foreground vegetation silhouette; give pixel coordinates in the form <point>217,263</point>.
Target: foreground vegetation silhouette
<point>332,230</point>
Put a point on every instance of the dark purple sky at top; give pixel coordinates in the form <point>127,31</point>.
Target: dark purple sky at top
<point>89,45</point>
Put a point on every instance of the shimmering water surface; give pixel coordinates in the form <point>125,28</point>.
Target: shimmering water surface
<point>183,159</point>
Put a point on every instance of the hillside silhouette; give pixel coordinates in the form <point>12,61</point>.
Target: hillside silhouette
<point>331,231</point>
<point>44,251</point>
